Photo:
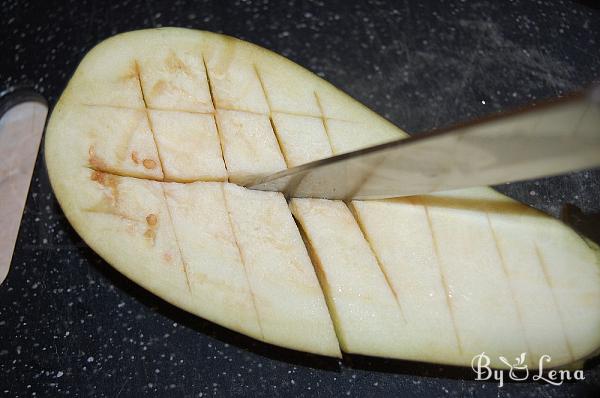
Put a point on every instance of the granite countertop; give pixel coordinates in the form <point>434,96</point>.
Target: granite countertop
<point>72,326</point>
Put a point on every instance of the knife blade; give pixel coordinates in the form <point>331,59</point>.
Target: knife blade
<point>553,137</point>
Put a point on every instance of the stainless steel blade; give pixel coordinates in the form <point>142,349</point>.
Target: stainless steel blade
<point>554,137</point>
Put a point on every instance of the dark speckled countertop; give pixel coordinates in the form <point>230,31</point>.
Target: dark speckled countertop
<point>72,326</point>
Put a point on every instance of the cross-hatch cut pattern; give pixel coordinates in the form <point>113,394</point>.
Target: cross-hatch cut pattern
<point>220,107</point>
<point>171,224</point>
<point>324,120</point>
<point>237,244</point>
<point>147,109</point>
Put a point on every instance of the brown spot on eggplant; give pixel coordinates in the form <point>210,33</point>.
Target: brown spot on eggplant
<point>151,219</point>
<point>149,163</point>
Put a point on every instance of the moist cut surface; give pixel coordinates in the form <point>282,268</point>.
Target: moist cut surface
<point>156,132</point>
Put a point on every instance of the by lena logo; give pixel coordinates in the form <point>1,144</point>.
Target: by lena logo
<point>518,370</point>
<point>518,366</point>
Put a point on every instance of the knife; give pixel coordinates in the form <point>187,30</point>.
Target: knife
<point>22,117</point>
<point>553,137</point>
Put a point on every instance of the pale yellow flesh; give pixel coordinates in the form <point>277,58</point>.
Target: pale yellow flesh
<point>154,124</point>
<point>249,145</point>
<point>214,269</point>
<point>402,239</point>
<point>199,135</point>
<point>289,302</point>
<point>367,315</point>
<point>303,138</point>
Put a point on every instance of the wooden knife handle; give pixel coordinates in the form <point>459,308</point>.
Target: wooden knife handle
<point>20,132</point>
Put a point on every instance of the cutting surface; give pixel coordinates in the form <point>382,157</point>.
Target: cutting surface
<point>69,324</point>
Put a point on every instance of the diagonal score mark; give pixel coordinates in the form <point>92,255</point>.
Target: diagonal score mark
<point>172,224</point>
<point>363,231</point>
<point>237,245</point>
<point>185,270</point>
<point>139,79</point>
<point>504,268</point>
<point>324,121</point>
<point>322,279</point>
<point>209,81</point>
<point>212,100</point>
<point>265,94</point>
<point>443,278</point>
<point>281,148</point>
<point>549,283</point>
<point>263,88</point>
